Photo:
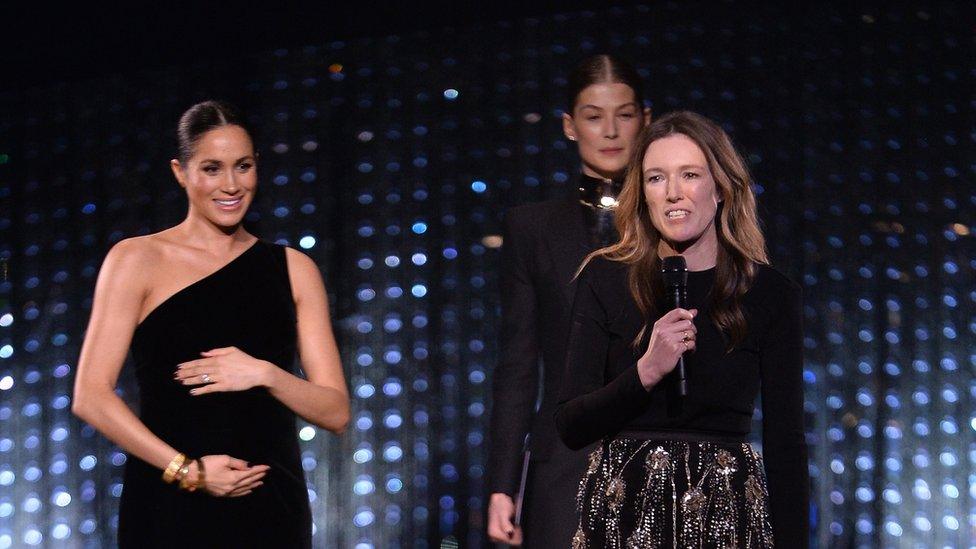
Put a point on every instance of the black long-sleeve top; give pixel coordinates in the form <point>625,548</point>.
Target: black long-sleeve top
<point>603,395</point>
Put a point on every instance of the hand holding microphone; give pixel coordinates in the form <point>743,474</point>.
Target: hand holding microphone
<point>674,333</point>
<point>672,336</point>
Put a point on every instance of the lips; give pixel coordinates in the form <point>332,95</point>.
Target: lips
<point>676,213</point>
<point>612,151</point>
<point>229,204</point>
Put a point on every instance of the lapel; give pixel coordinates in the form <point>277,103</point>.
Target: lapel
<point>569,242</point>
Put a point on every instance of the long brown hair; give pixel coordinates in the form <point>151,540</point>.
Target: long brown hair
<point>741,245</point>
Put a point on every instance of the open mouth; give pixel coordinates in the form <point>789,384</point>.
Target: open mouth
<point>229,203</point>
<point>677,214</point>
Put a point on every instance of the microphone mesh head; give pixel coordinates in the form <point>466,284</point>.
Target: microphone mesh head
<point>674,269</point>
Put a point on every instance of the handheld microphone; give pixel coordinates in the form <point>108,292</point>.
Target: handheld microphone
<point>674,270</point>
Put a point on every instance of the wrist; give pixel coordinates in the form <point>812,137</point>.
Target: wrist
<point>269,378</point>
<point>647,373</point>
<point>501,497</point>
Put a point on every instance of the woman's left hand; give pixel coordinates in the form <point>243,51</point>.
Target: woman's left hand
<point>222,370</point>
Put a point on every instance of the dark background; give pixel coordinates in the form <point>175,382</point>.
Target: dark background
<point>858,122</point>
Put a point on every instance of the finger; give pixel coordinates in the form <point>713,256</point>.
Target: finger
<point>212,387</point>
<point>195,367</point>
<point>238,494</point>
<point>677,314</point>
<point>496,534</point>
<point>218,351</point>
<point>237,464</point>
<point>247,488</point>
<point>506,526</point>
<point>249,477</point>
<point>192,363</point>
<point>198,380</point>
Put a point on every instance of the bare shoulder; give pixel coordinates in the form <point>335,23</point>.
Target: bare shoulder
<point>132,254</point>
<point>303,273</point>
<point>299,263</point>
<point>128,267</point>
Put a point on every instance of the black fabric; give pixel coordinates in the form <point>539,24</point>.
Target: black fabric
<point>602,393</point>
<point>549,518</point>
<point>544,244</point>
<point>247,304</point>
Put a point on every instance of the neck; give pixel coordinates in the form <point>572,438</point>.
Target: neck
<point>700,254</point>
<point>599,193</point>
<point>201,233</point>
<point>592,171</point>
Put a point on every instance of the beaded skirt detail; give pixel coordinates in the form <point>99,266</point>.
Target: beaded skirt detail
<point>668,493</point>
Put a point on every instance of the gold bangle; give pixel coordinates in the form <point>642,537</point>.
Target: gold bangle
<point>169,474</point>
<point>185,483</point>
<point>184,472</point>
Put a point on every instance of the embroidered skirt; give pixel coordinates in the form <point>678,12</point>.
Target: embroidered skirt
<point>644,491</point>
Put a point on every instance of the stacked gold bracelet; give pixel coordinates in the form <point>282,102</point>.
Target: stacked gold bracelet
<point>173,469</point>
<point>178,470</point>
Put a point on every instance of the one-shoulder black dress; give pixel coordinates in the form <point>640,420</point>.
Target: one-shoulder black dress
<point>247,304</point>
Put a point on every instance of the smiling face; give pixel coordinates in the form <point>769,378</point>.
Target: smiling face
<point>681,197</point>
<point>220,177</point>
<point>605,121</point>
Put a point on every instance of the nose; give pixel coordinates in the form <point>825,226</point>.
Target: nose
<point>673,190</point>
<point>231,185</point>
<point>610,130</point>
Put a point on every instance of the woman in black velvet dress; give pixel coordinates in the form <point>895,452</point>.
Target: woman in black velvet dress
<point>215,318</point>
<point>676,471</point>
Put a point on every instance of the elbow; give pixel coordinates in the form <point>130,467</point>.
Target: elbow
<point>78,410</point>
<point>342,423</point>
<point>339,421</point>
<point>573,443</point>
<point>88,399</point>
<point>572,434</point>
<point>566,433</point>
<point>81,405</point>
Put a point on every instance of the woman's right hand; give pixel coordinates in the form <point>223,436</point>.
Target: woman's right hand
<point>673,334</point>
<point>501,513</point>
<point>231,477</point>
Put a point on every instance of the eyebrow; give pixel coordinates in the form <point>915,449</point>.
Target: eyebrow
<point>589,106</point>
<point>684,167</point>
<point>214,160</point>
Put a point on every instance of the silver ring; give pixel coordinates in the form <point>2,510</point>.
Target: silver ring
<point>206,378</point>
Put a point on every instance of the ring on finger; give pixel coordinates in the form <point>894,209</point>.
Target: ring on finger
<point>206,378</point>
<point>686,336</point>
<point>685,343</point>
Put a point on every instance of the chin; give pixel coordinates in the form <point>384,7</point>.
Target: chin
<point>613,170</point>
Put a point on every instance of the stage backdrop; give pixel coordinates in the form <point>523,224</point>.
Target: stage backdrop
<point>392,160</point>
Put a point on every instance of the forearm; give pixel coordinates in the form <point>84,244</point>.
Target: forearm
<point>326,407</point>
<point>111,416</point>
<point>589,417</point>
<point>513,404</point>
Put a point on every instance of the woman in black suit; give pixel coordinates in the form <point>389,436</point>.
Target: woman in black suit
<point>544,244</point>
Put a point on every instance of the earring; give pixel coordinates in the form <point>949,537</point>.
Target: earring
<point>572,138</point>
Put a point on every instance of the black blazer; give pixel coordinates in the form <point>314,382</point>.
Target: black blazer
<point>544,244</point>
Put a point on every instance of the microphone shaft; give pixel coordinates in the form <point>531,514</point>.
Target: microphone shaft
<point>682,378</point>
